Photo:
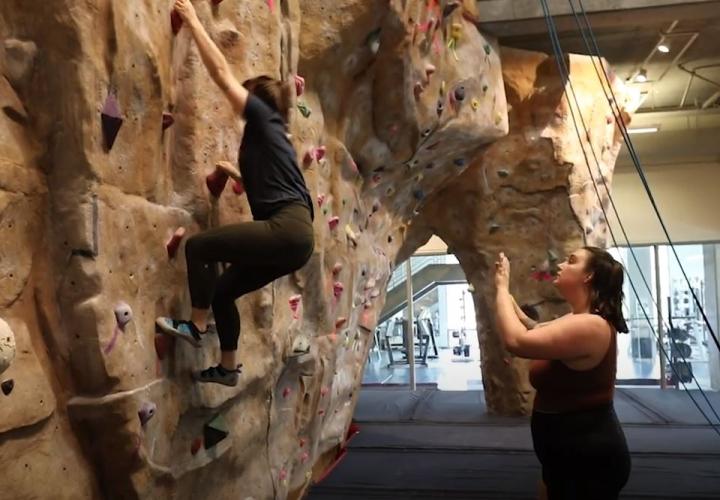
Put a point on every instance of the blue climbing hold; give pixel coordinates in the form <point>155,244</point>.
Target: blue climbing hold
<point>460,162</point>
<point>460,93</point>
<point>418,194</point>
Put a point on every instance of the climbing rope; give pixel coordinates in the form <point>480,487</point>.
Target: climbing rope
<point>564,73</point>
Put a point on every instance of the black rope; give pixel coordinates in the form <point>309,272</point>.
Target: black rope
<point>564,74</point>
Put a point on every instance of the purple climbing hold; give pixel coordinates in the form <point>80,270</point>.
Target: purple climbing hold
<point>123,314</point>
<point>460,93</point>
<point>111,120</point>
<point>7,386</point>
<point>460,162</point>
<point>146,412</point>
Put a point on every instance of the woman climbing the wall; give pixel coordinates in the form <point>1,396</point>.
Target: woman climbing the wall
<point>576,434</point>
<point>280,238</point>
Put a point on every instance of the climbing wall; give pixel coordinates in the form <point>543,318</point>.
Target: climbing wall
<point>533,196</point>
<point>109,126</point>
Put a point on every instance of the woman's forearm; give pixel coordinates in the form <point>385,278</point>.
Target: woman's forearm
<point>507,320</point>
<point>213,59</point>
<point>524,318</point>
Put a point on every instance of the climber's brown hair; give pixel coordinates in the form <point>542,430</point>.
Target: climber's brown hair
<point>606,287</point>
<point>272,92</point>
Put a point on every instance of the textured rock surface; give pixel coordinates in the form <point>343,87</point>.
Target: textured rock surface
<point>532,195</point>
<point>399,98</point>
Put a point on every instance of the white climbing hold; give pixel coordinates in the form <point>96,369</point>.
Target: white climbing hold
<point>301,345</point>
<point>123,314</point>
<point>7,346</point>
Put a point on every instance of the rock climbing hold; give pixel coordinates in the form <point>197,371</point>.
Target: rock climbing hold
<point>487,49</point>
<point>503,173</point>
<point>498,118</point>
<point>286,392</point>
<point>376,178</point>
<point>294,302</point>
<point>460,93</point>
<point>123,314</point>
<point>324,391</point>
<point>304,457</point>
<point>176,22</point>
<point>340,322</point>
<point>321,412</point>
<point>350,234</point>
<point>146,412</point>
<point>494,227</point>
<point>238,187</point>
<point>338,289</point>
<point>429,70</point>
<point>196,444</point>
<point>426,133</point>
<point>302,442</point>
<point>374,294</point>
<point>304,109</point>
<point>325,211</point>
<point>442,88</point>
<point>173,243</point>
<point>375,206</point>
<point>216,182</point>
<point>373,41</point>
<point>163,343</point>
<point>333,222</point>
<point>459,162</point>
<point>309,157</point>
<point>167,120</point>
<point>271,5</point>
<point>390,239</point>
<point>475,104</point>
<point>320,200</point>
<point>485,89</point>
<point>7,386</point>
<point>418,90</point>
<point>7,346</point>
<point>337,268</point>
<point>299,85</point>
<point>418,194</point>
<point>215,431</point>
<point>456,31</point>
<point>440,107</point>
<point>111,120</point>
<point>216,2</point>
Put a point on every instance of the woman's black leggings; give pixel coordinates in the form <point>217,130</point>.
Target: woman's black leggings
<point>258,252</point>
<point>583,454</point>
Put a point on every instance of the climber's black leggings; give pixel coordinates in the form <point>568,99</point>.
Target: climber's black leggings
<point>583,454</point>
<point>259,252</point>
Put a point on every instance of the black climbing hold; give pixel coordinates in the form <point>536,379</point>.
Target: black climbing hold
<point>111,121</point>
<point>418,194</point>
<point>8,386</point>
<point>494,227</point>
<point>389,239</point>
<point>215,431</point>
<point>487,49</point>
<point>376,206</point>
<point>167,120</point>
<point>429,165</point>
<point>485,88</point>
<point>440,107</point>
<point>426,132</point>
<point>460,93</point>
<point>588,230</point>
<point>176,22</point>
<point>460,162</point>
<point>503,173</point>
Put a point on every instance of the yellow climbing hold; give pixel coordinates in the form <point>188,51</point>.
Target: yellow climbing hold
<point>498,118</point>
<point>475,104</point>
<point>350,233</point>
<point>456,32</point>
<point>442,88</point>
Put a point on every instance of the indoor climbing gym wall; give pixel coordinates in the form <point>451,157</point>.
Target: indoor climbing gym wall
<point>407,120</point>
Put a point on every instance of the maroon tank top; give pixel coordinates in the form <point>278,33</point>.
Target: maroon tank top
<point>562,389</point>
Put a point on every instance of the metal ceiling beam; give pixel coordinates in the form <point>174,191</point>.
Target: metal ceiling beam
<point>509,18</point>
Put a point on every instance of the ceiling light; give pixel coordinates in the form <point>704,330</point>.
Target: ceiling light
<point>641,77</point>
<point>643,130</point>
<point>664,48</point>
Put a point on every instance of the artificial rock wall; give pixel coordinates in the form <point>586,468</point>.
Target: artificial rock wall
<point>398,98</point>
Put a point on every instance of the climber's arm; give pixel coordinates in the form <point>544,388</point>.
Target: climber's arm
<point>524,318</point>
<point>213,59</point>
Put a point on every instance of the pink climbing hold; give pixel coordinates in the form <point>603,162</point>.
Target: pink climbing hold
<point>294,302</point>
<point>282,475</point>
<point>338,289</point>
<point>324,391</point>
<point>542,276</point>
<point>271,5</point>
<point>167,120</point>
<point>286,392</point>
<point>299,85</point>
<point>304,457</point>
<point>176,22</point>
<point>123,314</point>
<point>174,242</point>
<point>319,153</point>
<point>333,222</point>
<point>146,412</point>
<point>238,187</point>
<point>320,200</point>
<point>216,182</point>
<point>321,412</point>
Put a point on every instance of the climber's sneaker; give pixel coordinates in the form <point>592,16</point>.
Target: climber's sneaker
<point>182,329</point>
<point>218,375</point>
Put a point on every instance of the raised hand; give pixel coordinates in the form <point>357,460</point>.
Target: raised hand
<point>502,272</point>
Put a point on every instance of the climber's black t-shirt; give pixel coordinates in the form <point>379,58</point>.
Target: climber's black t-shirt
<point>268,163</point>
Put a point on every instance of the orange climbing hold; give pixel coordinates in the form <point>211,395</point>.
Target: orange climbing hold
<point>174,242</point>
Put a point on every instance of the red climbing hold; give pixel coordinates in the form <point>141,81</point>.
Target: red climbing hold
<point>167,120</point>
<point>333,222</point>
<point>340,322</point>
<point>216,182</point>
<point>238,187</point>
<point>294,302</point>
<point>174,242</point>
<point>299,85</point>
<point>271,5</point>
<point>196,444</point>
<point>111,120</point>
<point>176,22</point>
<point>163,344</point>
<point>321,412</point>
<point>320,200</point>
<point>286,392</point>
<point>319,153</point>
<point>302,442</point>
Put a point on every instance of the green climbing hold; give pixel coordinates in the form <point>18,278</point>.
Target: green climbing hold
<point>487,49</point>
<point>215,431</point>
<point>304,109</point>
